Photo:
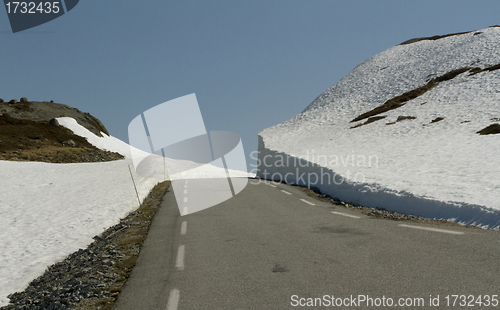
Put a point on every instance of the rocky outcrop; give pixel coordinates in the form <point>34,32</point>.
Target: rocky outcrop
<point>45,111</point>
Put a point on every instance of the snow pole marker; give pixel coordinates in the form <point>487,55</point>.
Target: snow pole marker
<point>135,187</point>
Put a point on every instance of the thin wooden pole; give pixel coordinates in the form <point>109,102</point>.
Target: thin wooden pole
<point>137,193</point>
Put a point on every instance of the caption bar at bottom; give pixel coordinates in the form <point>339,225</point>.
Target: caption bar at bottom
<point>368,301</point>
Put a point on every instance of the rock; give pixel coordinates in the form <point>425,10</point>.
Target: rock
<point>24,99</point>
<point>51,101</point>
<point>490,130</point>
<point>39,137</point>
<point>13,101</point>
<point>54,122</point>
<point>69,142</point>
<point>1,100</point>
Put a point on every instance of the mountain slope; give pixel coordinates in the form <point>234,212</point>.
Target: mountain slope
<point>400,132</point>
<point>27,134</point>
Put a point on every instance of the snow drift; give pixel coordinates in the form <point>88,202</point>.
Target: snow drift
<point>400,132</point>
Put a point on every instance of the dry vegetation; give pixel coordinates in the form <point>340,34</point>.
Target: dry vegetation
<point>437,37</point>
<point>401,100</point>
<point>128,240</point>
<point>26,135</point>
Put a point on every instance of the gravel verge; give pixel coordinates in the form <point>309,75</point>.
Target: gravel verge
<point>377,212</point>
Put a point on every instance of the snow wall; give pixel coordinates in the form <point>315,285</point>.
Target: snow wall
<point>281,167</point>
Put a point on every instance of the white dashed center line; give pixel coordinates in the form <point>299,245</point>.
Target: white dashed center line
<point>184,228</point>
<point>185,199</point>
<point>433,229</point>
<point>185,211</point>
<point>173,299</point>
<point>179,263</point>
<point>185,191</point>
<point>284,191</point>
<point>272,185</point>
<point>348,215</point>
<point>308,202</point>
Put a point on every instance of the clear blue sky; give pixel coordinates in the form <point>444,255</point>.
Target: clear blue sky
<point>252,64</point>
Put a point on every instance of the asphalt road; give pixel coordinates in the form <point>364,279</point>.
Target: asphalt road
<point>274,247</point>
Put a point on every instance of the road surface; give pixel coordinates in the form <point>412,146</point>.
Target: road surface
<point>274,247</point>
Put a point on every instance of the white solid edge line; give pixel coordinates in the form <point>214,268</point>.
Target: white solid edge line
<point>173,299</point>
<point>284,191</point>
<point>179,263</point>
<point>433,229</point>
<point>183,228</point>
<point>308,202</point>
<point>348,215</point>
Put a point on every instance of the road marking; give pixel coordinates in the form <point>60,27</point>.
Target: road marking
<point>185,199</point>
<point>179,263</point>
<point>284,191</point>
<point>185,191</point>
<point>185,185</point>
<point>344,214</point>
<point>433,229</point>
<point>184,228</point>
<point>185,211</point>
<point>308,202</point>
<point>271,185</point>
<point>173,299</point>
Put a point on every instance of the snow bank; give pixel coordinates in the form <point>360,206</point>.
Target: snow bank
<point>48,211</point>
<point>435,169</point>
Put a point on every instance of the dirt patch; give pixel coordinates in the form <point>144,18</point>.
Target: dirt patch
<point>279,268</point>
<point>476,70</point>
<point>401,100</point>
<point>369,121</point>
<point>402,118</point>
<point>29,140</point>
<point>492,129</point>
<point>437,119</point>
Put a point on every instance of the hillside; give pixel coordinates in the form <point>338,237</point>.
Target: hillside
<point>27,135</point>
<point>412,129</point>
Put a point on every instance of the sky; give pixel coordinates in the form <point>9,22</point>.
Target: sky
<point>252,64</point>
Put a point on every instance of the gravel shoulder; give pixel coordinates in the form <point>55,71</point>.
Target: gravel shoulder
<point>377,212</point>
